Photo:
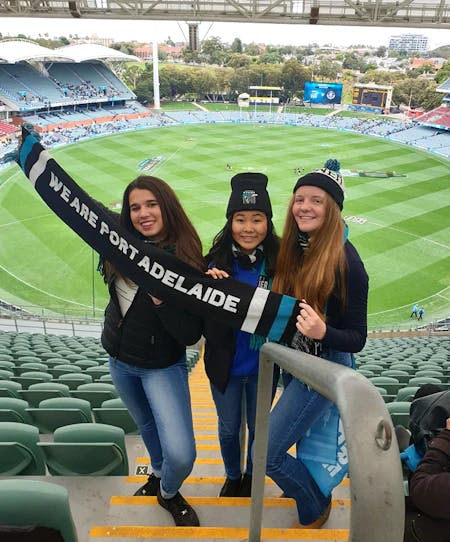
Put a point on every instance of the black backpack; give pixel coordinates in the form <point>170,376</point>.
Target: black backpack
<point>428,416</point>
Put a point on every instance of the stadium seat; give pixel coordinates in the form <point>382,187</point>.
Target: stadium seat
<point>420,380</point>
<point>6,365</point>
<point>29,366</point>
<point>36,503</point>
<point>43,390</point>
<point>6,374</point>
<point>114,412</point>
<point>66,368</point>
<point>87,450</point>
<point>60,411</point>
<point>19,451</point>
<point>95,393</point>
<point>9,388</point>
<point>6,357</point>
<point>14,410</point>
<point>407,393</point>
<point>85,363</point>
<point>402,376</point>
<point>399,411</point>
<point>391,384</point>
<point>73,380</point>
<point>32,377</point>
<point>430,372</point>
<point>97,372</point>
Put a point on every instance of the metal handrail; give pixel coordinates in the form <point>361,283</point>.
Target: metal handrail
<point>376,481</point>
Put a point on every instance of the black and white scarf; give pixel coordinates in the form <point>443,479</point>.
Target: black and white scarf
<point>234,303</point>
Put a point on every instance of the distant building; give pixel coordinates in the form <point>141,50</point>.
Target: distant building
<point>412,43</point>
<point>173,52</point>
<point>435,63</point>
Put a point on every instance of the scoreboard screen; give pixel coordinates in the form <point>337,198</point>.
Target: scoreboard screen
<point>370,96</point>
<point>322,93</point>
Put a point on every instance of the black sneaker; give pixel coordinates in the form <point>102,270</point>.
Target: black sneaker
<point>150,488</point>
<point>246,486</point>
<point>230,488</point>
<point>182,512</point>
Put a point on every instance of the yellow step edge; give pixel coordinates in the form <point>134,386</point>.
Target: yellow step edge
<point>270,502</point>
<point>199,461</point>
<point>137,479</point>
<point>212,533</point>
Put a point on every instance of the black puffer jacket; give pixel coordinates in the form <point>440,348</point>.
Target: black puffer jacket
<point>149,335</point>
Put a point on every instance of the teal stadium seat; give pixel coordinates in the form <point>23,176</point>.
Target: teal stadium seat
<point>391,384</point>
<point>95,393</point>
<point>19,450</point>
<point>60,411</point>
<point>407,393</point>
<point>87,450</point>
<point>9,388</point>
<point>114,412</point>
<point>73,380</point>
<point>43,390</point>
<point>37,503</point>
<point>14,410</point>
<point>399,411</point>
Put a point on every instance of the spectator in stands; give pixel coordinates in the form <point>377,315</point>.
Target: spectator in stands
<point>427,510</point>
<point>245,248</point>
<point>318,265</point>
<point>146,337</point>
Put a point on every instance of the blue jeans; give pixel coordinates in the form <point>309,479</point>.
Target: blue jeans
<point>229,411</point>
<point>159,402</point>
<point>295,412</point>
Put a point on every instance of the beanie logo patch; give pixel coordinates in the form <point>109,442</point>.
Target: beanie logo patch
<point>249,197</point>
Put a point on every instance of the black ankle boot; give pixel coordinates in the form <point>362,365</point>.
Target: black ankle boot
<point>246,486</point>
<point>230,488</point>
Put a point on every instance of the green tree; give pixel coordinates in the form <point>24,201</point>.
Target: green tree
<point>293,78</point>
<point>443,74</point>
<point>237,60</point>
<point>419,93</point>
<point>212,51</point>
<point>236,46</point>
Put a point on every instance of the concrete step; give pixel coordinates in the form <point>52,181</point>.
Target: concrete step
<point>131,519</point>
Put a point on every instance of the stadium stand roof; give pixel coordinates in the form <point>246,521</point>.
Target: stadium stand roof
<point>13,51</point>
<point>92,51</point>
<point>444,87</point>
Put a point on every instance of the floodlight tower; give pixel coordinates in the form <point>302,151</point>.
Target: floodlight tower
<point>156,100</point>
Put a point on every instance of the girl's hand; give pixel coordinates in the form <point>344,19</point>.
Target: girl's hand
<point>217,273</point>
<point>309,322</point>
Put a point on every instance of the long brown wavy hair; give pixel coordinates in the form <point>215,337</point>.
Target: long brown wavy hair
<point>178,234</point>
<point>314,273</point>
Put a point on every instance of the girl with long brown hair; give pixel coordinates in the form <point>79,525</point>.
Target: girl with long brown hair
<point>318,265</point>
<point>146,339</point>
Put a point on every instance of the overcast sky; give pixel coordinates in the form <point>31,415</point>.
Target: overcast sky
<point>147,31</point>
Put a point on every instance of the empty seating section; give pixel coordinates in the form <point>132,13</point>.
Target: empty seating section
<point>397,367</point>
<point>50,388</point>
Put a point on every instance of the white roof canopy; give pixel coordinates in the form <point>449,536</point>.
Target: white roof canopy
<point>13,51</point>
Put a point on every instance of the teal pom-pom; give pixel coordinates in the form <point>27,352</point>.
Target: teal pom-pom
<point>32,131</point>
<point>333,165</point>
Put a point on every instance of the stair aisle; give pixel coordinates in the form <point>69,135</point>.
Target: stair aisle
<point>133,519</point>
